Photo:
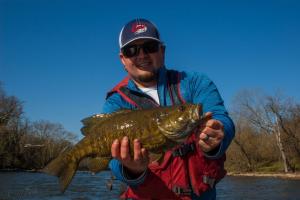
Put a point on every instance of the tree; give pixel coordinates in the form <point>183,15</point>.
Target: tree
<point>24,144</point>
<point>12,127</point>
<point>44,141</point>
<point>270,115</point>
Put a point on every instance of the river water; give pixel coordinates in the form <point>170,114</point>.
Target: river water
<point>85,186</point>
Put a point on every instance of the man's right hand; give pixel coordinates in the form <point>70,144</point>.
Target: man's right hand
<point>135,164</point>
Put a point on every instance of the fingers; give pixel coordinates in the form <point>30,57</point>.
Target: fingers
<point>139,152</point>
<point>145,154</point>
<point>121,150</point>
<point>205,146</point>
<point>214,124</point>
<point>211,135</point>
<point>207,116</point>
<point>124,150</point>
<point>209,140</point>
<point>138,162</point>
<point>115,149</point>
<point>204,136</point>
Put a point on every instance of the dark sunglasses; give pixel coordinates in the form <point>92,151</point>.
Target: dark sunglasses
<point>134,50</point>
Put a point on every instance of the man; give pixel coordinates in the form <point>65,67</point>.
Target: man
<point>191,170</point>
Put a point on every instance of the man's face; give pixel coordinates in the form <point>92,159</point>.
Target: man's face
<point>142,66</point>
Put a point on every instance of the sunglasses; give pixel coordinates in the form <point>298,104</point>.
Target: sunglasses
<point>134,50</point>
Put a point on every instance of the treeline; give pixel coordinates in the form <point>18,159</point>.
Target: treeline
<point>25,144</point>
<point>267,133</point>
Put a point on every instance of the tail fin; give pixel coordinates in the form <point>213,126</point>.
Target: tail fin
<point>62,168</point>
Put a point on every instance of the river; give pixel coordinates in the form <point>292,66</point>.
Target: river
<point>85,186</point>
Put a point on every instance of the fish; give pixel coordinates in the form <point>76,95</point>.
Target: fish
<point>158,129</point>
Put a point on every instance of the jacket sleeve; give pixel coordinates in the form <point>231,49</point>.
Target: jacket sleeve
<point>198,88</point>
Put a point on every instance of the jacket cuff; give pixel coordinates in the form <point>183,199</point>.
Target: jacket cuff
<point>215,153</point>
<point>133,182</point>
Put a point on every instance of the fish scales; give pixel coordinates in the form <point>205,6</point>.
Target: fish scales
<point>158,129</point>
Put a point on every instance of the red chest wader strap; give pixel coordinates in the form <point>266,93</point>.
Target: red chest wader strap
<point>173,84</point>
<point>184,149</point>
<point>141,100</point>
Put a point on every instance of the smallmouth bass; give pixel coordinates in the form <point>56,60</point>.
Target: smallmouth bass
<point>158,129</point>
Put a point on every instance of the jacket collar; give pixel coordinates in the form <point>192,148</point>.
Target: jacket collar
<point>160,83</point>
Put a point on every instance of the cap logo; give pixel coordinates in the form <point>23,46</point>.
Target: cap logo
<point>138,28</point>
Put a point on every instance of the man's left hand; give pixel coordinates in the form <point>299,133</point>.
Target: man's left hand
<point>211,133</point>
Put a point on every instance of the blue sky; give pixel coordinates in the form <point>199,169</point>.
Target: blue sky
<point>60,57</point>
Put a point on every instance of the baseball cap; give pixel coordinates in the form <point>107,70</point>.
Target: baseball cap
<point>138,29</point>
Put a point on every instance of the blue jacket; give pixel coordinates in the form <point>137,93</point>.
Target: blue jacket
<point>194,88</point>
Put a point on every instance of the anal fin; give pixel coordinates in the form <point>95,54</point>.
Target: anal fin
<point>98,164</point>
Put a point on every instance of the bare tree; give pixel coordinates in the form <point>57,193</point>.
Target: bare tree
<point>48,140</point>
<point>269,115</point>
<point>25,144</point>
<point>11,129</point>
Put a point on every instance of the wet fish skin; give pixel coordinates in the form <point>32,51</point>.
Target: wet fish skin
<point>158,129</point>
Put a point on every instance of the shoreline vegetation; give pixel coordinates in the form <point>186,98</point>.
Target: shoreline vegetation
<point>266,143</point>
<point>282,175</point>
<point>292,176</point>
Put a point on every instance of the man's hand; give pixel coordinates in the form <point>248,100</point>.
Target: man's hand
<point>211,133</point>
<point>135,164</point>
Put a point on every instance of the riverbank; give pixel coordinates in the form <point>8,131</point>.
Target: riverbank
<point>294,176</point>
<point>20,170</point>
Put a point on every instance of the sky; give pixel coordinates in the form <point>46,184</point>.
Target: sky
<point>60,57</point>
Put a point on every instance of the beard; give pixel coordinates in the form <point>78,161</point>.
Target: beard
<point>144,71</point>
<point>147,78</point>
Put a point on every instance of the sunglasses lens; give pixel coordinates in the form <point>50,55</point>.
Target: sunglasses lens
<point>148,47</point>
<point>151,47</point>
<point>129,51</point>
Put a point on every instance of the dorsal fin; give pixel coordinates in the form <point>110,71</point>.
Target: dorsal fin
<point>89,122</point>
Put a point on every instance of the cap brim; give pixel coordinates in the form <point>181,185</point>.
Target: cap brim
<point>137,38</point>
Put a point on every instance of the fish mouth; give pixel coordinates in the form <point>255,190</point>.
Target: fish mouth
<point>195,115</point>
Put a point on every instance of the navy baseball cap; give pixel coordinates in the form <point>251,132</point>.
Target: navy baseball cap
<point>138,29</point>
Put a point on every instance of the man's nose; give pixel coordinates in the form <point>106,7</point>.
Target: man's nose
<point>141,53</point>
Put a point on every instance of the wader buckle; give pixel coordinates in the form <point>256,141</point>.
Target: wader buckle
<point>184,149</point>
<point>210,181</point>
<point>181,191</point>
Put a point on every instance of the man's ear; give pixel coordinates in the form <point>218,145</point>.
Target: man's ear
<point>121,56</point>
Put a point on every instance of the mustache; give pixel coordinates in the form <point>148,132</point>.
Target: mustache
<point>144,64</point>
<point>142,61</point>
